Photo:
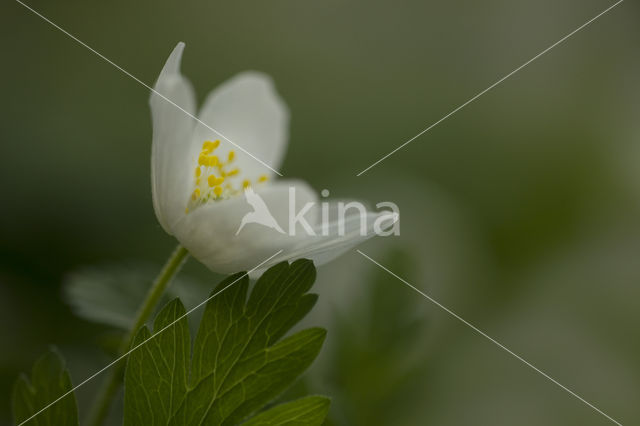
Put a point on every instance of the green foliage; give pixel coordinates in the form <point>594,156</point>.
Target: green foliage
<point>240,360</point>
<point>49,381</point>
<point>307,411</point>
<point>111,294</point>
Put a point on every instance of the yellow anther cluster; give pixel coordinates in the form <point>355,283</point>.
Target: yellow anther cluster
<point>212,177</point>
<point>208,160</point>
<point>215,181</point>
<point>208,146</point>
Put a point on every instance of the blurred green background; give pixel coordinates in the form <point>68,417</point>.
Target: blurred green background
<point>519,213</point>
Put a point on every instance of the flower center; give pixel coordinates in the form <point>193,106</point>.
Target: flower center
<point>215,179</point>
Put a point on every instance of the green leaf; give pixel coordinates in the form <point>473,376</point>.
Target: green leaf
<point>240,360</point>
<point>49,381</point>
<point>308,411</point>
<point>111,294</point>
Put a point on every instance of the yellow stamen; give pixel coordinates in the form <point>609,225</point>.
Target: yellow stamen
<point>207,160</point>
<point>209,146</point>
<point>215,171</point>
<point>215,181</point>
<point>263,178</point>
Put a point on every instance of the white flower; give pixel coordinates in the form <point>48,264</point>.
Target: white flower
<point>198,176</point>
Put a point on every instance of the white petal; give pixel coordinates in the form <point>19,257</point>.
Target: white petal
<point>322,249</point>
<point>209,231</point>
<point>248,111</point>
<point>172,130</point>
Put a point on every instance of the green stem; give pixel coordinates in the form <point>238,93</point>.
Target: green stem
<point>112,383</point>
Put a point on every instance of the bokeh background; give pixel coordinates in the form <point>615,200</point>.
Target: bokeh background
<point>520,212</point>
